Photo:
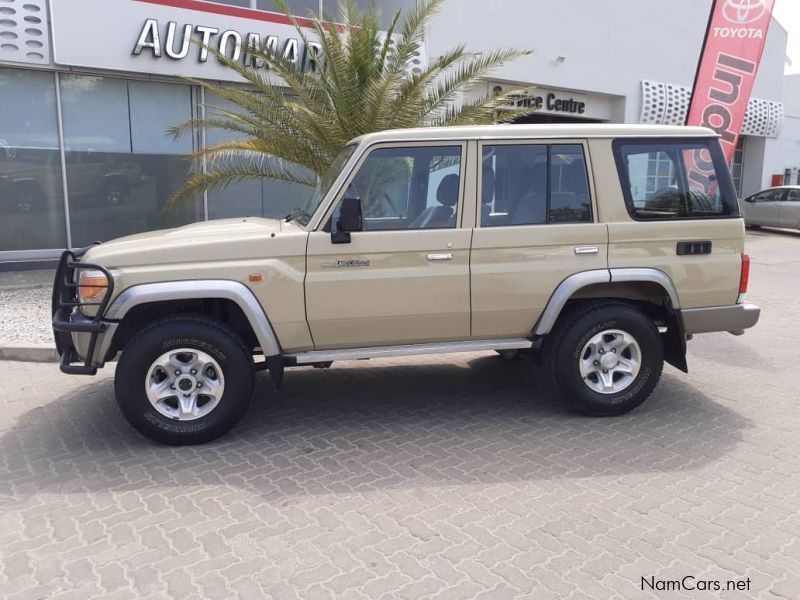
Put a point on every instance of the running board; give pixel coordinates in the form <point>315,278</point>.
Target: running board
<point>317,356</point>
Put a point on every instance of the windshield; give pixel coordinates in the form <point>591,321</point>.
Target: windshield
<point>323,186</point>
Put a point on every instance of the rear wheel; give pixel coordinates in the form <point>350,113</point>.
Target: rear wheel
<point>605,358</point>
<point>184,380</point>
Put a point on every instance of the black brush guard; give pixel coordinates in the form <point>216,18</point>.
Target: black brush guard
<point>65,305</point>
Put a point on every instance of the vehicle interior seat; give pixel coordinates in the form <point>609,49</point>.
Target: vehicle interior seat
<point>572,196</point>
<point>443,215</point>
<point>532,206</point>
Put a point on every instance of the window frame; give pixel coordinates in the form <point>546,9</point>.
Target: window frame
<point>672,145</point>
<point>548,143</point>
<point>364,154</point>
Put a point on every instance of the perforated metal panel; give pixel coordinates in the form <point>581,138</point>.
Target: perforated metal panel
<point>668,104</point>
<point>23,31</point>
<point>654,98</point>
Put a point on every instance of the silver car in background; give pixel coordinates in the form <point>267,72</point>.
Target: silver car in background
<point>775,207</point>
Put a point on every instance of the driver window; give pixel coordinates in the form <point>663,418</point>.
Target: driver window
<point>409,188</point>
<point>768,196</point>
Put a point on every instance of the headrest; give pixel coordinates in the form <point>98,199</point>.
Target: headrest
<point>447,192</point>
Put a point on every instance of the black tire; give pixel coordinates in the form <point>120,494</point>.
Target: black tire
<point>575,328</point>
<point>192,332</point>
<point>753,227</point>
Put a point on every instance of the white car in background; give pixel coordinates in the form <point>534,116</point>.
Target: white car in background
<point>775,207</point>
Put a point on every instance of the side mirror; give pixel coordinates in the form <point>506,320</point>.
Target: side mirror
<point>751,199</point>
<point>350,219</point>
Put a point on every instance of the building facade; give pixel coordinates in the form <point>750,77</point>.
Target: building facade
<point>88,89</point>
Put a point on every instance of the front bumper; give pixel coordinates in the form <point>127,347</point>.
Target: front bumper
<point>79,339</point>
<point>734,318</point>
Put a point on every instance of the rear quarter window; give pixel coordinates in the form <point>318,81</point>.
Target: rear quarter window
<point>674,178</point>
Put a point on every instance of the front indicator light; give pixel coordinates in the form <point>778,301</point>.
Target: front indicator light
<point>92,285</point>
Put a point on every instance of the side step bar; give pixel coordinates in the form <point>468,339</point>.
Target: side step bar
<point>316,356</point>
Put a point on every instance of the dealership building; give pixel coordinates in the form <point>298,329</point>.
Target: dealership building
<point>88,89</point>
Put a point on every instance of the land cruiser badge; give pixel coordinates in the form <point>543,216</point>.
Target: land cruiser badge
<point>344,264</point>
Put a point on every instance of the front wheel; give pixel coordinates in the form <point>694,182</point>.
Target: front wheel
<point>184,380</point>
<point>605,358</point>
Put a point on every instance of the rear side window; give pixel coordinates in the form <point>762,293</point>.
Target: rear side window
<point>675,179</point>
<point>534,184</point>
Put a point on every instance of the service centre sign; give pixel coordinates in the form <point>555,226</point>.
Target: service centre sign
<point>167,37</point>
<point>554,103</point>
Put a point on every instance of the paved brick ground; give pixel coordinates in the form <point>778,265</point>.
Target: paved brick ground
<point>445,478</point>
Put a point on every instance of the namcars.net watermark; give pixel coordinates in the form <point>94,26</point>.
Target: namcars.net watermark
<point>691,583</point>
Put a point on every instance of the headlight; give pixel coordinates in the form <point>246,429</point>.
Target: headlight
<point>92,285</point>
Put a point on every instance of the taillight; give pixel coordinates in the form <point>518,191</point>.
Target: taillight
<point>745,274</point>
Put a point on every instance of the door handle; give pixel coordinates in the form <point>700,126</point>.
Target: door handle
<point>440,256</point>
<point>587,250</point>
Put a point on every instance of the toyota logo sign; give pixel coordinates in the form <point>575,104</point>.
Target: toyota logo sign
<point>741,12</point>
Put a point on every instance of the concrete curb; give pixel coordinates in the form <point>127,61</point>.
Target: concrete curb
<point>44,353</point>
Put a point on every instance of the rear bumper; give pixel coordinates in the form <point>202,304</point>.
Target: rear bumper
<point>734,318</point>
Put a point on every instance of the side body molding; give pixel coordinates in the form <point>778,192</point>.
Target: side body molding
<point>199,289</point>
<point>567,288</point>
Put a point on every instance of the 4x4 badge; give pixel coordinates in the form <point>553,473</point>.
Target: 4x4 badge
<point>342,264</point>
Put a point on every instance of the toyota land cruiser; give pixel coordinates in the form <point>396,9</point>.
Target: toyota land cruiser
<point>600,249</point>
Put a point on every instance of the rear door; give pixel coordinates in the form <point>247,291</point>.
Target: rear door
<point>535,227</point>
<point>789,211</point>
<point>405,278</point>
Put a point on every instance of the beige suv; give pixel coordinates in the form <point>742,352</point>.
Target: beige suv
<point>600,249</point>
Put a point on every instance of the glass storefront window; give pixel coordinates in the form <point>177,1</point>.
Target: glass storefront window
<point>300,8</point>
<point>121,165</point>
<point>254,198</point>
<point>31,191</point>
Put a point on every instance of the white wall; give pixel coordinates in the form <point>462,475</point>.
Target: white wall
<point>609,45</point>
<point>791,94</point>
<point>784,152</point>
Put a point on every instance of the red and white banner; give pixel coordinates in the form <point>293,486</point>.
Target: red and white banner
<point>729,61</point>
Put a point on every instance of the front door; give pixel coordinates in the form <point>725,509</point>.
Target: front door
<point>404,279</point>
<point>762,209</point>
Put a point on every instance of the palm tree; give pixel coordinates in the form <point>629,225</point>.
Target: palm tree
<point>290,122</point>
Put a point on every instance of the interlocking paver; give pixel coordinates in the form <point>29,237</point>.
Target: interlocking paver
<point>441,477</point>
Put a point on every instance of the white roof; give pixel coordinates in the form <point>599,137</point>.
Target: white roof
<point>566,130</point>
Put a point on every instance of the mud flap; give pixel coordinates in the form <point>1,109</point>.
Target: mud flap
<point>275,368</point>
<point>675,340</point>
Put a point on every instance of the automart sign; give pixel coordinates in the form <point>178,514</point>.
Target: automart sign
<point>156,36</point>
<point>174,42</point>
<point>727,70</point>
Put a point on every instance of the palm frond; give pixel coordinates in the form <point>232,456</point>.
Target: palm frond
<point>289,123</point>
